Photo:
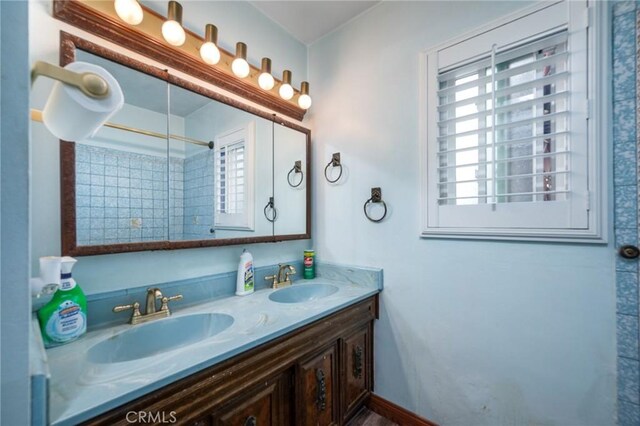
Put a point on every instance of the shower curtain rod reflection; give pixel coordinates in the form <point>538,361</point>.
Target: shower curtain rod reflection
<point>36,115</point>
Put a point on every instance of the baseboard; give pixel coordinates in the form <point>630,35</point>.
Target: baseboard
<point>396,413</point>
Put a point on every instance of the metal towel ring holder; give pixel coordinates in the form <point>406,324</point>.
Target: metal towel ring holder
<point>271,205</point>
<point>297,168</point>
<point>335,162</point>
<point>376,197</point>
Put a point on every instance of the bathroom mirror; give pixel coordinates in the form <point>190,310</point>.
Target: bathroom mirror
<point>290,179</point>
<point>179,166</point>
<point>218,190</point>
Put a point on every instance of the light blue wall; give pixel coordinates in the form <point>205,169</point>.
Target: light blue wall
<point>471,332</point>
<point>237,21</point>
<point>626,207</point>
<point>15,305</point>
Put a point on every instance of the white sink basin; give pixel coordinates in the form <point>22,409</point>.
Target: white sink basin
<point>299,293</point>
<point>164,335</point>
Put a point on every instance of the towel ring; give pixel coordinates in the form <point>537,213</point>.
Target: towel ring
<point>376,197</point>
<point>270,205</point>
<point>297,168</point>
<point>335,162</point>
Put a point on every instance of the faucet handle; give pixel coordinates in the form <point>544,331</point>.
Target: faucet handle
<point>135,306</point>
<point>273,279</point>
<point>166,300</point>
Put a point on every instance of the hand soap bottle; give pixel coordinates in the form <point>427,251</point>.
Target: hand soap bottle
<point>245,279</point>
<point>64,318</point>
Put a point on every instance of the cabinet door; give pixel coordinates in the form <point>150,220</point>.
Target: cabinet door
<point>356,369</point>
<point>318,389</point>
<point>265,405</point>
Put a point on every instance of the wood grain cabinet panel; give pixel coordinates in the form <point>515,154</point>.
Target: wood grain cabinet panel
<point>357,369</point>
<point>266,405</point>
<point>318,385</point>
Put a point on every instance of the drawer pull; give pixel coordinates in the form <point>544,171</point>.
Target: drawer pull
<point>357,362</point>
<point>321,386</point>
<point>251,421</point>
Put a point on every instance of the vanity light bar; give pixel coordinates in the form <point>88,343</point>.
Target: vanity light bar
<point>209,52</point>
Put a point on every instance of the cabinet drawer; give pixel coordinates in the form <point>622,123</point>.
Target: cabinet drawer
<point>266,405</point>
<point>357,367</point>
<point>318,389</point>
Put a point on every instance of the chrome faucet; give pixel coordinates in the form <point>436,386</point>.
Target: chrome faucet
<point>283,277</point>
<point>151,312</point>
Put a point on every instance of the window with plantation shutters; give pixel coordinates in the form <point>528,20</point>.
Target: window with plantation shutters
<point>508,132</point>
<point>233,189</point>
<point>517,151</point>
<point>230,179</point>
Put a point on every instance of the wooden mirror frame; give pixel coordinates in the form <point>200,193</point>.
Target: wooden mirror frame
<point>69,43</point>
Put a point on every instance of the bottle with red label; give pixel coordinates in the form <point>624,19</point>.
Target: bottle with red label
<point>309,264</point>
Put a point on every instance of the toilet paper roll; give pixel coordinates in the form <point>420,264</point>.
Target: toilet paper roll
<point>71,115</point>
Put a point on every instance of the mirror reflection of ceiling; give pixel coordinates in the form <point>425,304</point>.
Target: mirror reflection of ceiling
<point>145,91</point>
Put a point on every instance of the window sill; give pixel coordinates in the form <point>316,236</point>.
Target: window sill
<point>549,236</point>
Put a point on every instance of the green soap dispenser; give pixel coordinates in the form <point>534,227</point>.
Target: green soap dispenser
<point>64,318</point>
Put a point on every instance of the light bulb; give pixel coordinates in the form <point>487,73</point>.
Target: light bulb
<point>240,66</point>
<point>304,100</point>
<point>286,91</point>
<point>129,11</point>
<point>266,81</point>
<point>209,51</point>
<point>173,32</point>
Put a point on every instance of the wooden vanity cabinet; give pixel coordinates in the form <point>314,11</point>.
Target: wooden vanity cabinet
<point>318,375</point>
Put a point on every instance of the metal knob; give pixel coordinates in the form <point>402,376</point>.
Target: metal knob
<point>629,252</point>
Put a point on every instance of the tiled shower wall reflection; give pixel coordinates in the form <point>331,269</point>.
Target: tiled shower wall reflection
<point>626,208</point>
<point>198,195</point>
<point>121,197</point>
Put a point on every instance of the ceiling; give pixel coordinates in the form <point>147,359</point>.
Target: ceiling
<point>310,20</point>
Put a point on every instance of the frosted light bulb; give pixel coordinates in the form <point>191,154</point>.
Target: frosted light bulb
<point>266,81</point>
<point>304,101</point>
<point>240,67</point>
<point>129,11</point>
<point>210,53</point>
<point>173,33</point>
<point>286,92</point>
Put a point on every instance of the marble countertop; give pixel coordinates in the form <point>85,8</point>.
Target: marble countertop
<point>80,389</point>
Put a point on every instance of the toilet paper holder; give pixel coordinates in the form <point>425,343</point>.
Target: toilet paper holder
<point>91,84</point>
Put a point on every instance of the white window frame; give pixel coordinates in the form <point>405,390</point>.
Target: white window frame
<point>246,220</point>
<point>588,18</point>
